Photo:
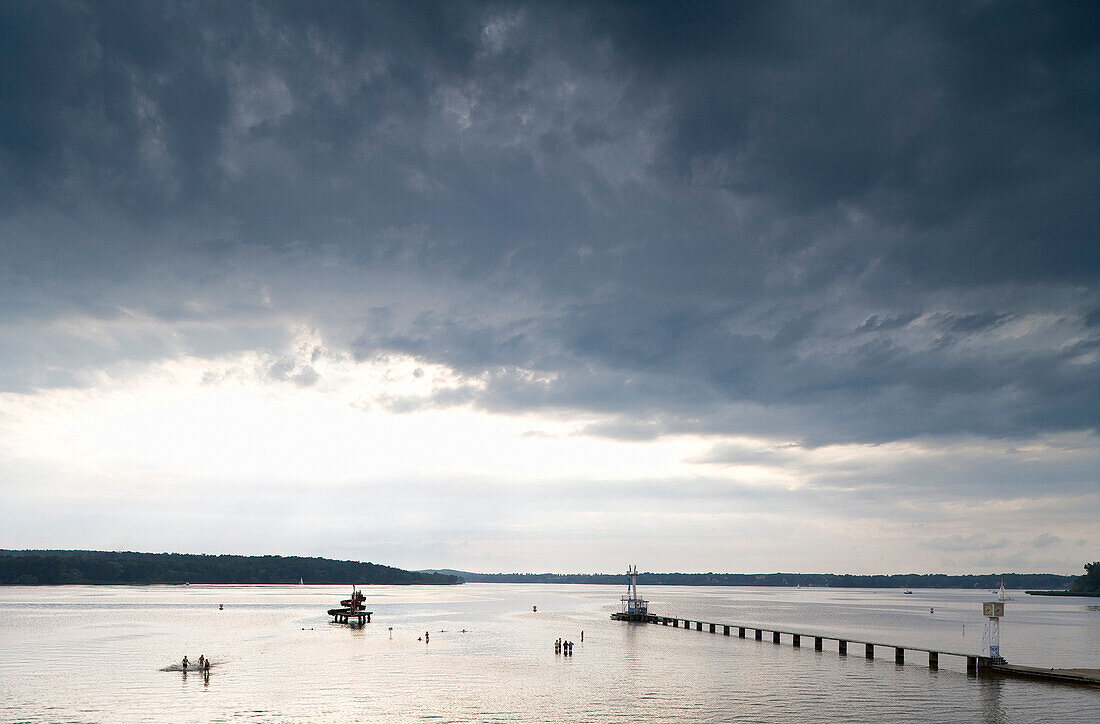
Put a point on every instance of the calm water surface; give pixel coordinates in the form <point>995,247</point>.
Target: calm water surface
<point>94,654</point>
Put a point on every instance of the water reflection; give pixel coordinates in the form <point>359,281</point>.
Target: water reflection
<point>989,689</point>
<point>205,675</point>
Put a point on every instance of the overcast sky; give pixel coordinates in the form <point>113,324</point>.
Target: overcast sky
<point>554,286</point>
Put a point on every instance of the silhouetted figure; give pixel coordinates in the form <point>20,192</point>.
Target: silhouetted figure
<point>185,662</point>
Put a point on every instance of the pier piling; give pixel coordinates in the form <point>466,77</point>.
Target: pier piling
<point>974,663</point>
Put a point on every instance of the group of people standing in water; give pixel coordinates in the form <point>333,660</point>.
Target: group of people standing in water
<point>565,648</point>
<point>203,665</point>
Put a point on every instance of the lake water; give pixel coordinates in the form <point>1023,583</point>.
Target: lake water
<point>95,654</point>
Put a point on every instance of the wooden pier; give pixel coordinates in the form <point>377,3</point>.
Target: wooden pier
<point>636,609</point>
<point>974,663</point>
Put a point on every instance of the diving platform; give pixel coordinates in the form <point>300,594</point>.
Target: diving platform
<point>352,608</point>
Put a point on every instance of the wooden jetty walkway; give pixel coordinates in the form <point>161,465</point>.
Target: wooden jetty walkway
<point>636,610</point>
<point>974,662</point>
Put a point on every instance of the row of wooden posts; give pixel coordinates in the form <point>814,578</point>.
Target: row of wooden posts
<point>973,663</point>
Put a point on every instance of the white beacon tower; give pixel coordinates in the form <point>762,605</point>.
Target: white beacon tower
<point>991,636</point>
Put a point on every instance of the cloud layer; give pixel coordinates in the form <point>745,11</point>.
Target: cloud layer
<point>808,224</point>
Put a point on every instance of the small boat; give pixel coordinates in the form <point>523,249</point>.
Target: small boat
<point>301,582</point>
<point>907,590</point>
<point>1002,594</point>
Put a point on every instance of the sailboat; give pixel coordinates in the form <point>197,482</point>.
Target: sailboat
<point>1002,595</point>
<point>301,582</point>
<point>907,589</point>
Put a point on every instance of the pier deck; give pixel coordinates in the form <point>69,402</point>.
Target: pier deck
<point>1088,677</point>
<point>974,662</point>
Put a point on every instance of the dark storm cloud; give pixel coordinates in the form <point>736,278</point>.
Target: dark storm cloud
<point>817,221</point>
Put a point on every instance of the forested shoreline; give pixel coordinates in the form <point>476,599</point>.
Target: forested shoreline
<point>102,567</point>
<point>805,580</point>
<point>55,567</point>
<point>1086,585</point>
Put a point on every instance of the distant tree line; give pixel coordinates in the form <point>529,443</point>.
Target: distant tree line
<point>833,580</point>
<point>66,567</point>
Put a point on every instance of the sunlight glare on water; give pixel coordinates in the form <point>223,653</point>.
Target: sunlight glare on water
<point>95,654</point>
